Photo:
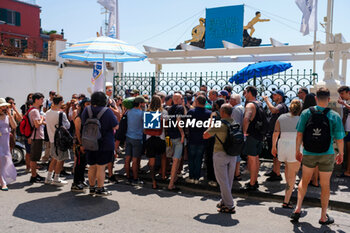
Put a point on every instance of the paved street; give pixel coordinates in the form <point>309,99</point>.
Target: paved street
<point>46,208</point>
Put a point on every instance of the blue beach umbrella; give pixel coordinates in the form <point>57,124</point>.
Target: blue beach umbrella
<point>259,69</point>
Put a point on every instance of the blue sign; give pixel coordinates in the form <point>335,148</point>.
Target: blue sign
<point>151,120</point>
<point>224,23</point>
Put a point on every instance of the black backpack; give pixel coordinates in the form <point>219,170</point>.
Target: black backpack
<point>123,127</point>
<point>261,124</point>
<point>317,132</point>
<point>234,141</point>
<point>62,140</point>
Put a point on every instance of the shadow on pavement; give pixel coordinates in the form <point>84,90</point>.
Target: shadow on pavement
<point>305,227</point>
<point>43,189</point>
<point>285,212</point>
<point>65,207</point>
<point>144,190</point>
<point>248,202</point>
<point>19,185</point>
<point>221,219</point>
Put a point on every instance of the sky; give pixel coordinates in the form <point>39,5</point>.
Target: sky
<point>166,23</point>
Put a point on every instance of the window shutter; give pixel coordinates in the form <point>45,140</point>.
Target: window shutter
<point>3,14</point>
<point>18,19</point>
<point>24,44</point>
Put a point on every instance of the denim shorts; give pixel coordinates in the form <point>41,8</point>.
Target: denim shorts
<point>177,147</point>
<point>133,147</point>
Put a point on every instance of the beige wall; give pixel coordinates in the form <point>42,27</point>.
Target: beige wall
<point>18,78</point>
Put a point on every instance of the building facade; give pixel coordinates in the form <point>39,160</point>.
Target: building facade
<point>20,30</point>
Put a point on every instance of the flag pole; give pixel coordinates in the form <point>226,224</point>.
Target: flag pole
<point>314,49</point>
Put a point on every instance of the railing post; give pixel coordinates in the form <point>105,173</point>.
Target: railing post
<point>153,85</point>
<point>114,84</point>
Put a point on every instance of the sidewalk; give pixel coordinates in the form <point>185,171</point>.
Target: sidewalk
<point>340,187</point>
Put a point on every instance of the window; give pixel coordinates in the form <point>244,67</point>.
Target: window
<point>10,17</point>
<point>15,43</point>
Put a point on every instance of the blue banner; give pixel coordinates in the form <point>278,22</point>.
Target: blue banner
<point>224,23</point>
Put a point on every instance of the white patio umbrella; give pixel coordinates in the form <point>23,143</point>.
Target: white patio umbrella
<point>102,49</point>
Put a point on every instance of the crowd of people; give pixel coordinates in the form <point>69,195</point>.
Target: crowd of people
<point>103,128</point>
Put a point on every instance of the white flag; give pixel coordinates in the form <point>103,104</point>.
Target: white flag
<point>113,25</point>
<point>309,20</point>
<point>97,80</point>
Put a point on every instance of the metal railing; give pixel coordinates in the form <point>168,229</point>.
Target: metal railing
<point>147,83</point>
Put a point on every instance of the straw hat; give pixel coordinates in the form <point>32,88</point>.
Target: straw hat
<point>3,102</point>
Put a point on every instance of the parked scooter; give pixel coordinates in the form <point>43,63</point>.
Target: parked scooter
<point>18,152</point>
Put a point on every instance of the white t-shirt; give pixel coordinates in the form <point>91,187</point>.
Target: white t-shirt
<point>35,115</point>
<point>52,121</point>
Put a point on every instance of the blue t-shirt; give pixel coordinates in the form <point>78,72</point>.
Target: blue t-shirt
<point>195,133</point>
<point>337,130</point>
<point>108,122</point>
<point>135,124</point>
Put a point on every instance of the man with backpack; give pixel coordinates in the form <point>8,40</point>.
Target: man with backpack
<point>55,119</point>
<point>224,163</point>
<point>254,129</point>
<point>36,139</point>
<point>317,127</point>
<point>277,110</point>
<point>98,123</point>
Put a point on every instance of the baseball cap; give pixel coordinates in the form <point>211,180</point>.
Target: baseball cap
<point>135,91</point>
<point>83,101</point>
<point>224,93</point>
<point>140,99</point>
<point>278,92</point>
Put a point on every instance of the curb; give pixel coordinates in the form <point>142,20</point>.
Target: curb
<point>205,189</point>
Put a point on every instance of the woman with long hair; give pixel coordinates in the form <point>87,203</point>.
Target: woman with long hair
<point>155,140</point>
<point>286,128</point>
<point>80,157</point>
<point>310,100</point>
<point>7,122</point>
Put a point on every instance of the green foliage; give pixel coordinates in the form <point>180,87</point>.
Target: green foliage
<point>49,32</point>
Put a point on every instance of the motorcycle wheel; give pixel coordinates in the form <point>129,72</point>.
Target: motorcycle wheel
<point>17,155</point>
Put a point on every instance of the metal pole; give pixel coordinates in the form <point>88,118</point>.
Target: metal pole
<point>329,25</point>
<point>104,68</point>
<point>314,56</point>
